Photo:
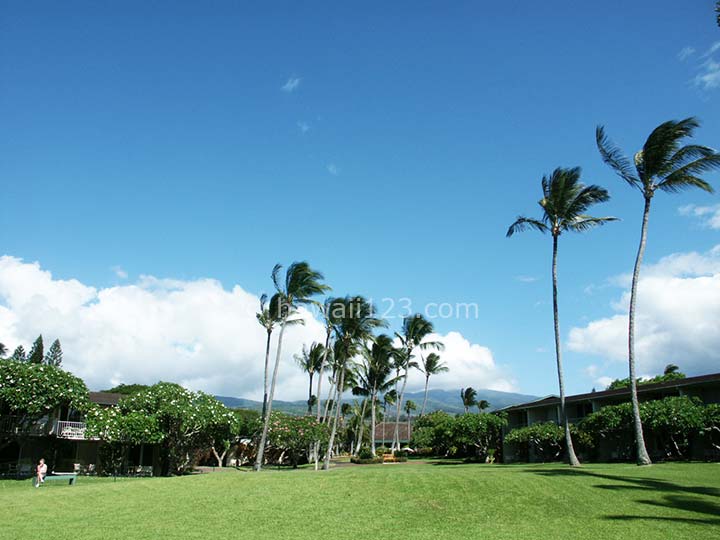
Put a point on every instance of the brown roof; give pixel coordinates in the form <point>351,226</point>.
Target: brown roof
<point>619,392</point>
<point>106,398</point>
<point>390,431</point>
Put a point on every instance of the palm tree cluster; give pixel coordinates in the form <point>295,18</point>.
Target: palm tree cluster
<point>662,164</point>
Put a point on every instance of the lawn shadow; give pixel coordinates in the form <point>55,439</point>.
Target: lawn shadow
<point>674,496</point>
<point>635,483</point>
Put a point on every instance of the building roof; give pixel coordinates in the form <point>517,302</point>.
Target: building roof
<point>110,399</point>
<point>619,392</point>
<point>390,431</point>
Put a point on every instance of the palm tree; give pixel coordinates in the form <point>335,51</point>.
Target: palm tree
<point>389,398</point>
<point>374,376</point>
<point>353,328</point>
<point>564,203</point>
<point>300,285</point>
<point>414,331</point>
<point>409,408</point>
<point>431,365</point>
<point>311,362</point>
<point>469,397</point>
<point>268,317</point>
<point>662,164</point>
<point>3,350</point>
<point>482,404</point>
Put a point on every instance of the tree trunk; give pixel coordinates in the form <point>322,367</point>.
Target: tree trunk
<point>331,390</point>
<point>265,379</point>
<point>319,400</point>
<point>642,456</point>
<point>326,465</point>
<point>373,399</point>
<point>572,458</point>
<point>361,426</point>
<point>310,394</point>
<point>396,437</point>
<point>427,381</point>
<point>266,422</point>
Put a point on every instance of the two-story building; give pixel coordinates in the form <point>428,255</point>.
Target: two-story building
<point>547,409</point>
<point>60,438</point>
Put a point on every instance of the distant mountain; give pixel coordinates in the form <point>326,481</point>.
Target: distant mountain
<point>443,400</point>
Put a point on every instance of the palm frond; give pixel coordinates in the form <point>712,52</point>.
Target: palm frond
<point>614,157</point>
<point>523,223</point>
<point>676,184</point>
<point>664,142</point>
<point>685,176</point>
<point>584,223</point>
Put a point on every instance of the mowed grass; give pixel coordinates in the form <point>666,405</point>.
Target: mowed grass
<point>423,501</point>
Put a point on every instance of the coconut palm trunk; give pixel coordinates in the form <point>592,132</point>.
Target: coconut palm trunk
<point>316,447</point>
<point>572,458</point>
<point>361,426</point>
<point>425,398</point>
<point>396,437</point>
<point>266,375</point>
<point>642,455</point>
<point>372,421</point>
<point>266,421</point>
<point>328,454</point>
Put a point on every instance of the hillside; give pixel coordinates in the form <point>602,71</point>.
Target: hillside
<point>444,400</point>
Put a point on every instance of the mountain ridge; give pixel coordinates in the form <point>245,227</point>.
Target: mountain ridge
<point>444,400</point>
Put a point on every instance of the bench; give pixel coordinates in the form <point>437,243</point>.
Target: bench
<point>389,458</point>
<point>69,478</point>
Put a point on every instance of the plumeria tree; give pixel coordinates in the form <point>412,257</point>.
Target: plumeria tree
<point>294,435</point>
<point>29,393</point>
<point>186,421</point>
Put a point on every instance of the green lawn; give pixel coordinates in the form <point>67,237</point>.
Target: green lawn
<point>433,501</point>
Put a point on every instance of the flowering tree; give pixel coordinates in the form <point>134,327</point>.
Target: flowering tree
<point>30,392</point>
<point>182,422</point>
<point>295,435</point>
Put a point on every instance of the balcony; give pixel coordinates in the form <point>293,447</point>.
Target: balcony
<point>69,430</point>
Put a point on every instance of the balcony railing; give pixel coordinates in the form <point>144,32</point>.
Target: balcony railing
<point>69,430</point>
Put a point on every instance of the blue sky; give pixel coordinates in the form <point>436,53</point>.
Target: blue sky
<point>388,145</point>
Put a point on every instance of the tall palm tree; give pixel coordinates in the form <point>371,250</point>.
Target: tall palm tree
<point>389,398</point>
<point>431,365</point>
<point>662,164</point>
<point>375,377</point>
<point>415,330</point>
<point>311,362</point>
<point>409,408</point>
<point>354,327</point>
<point>268,317</point>
<point>482,404</point>
<point>300,285</point>
<point>469,397</point>
<point>564,203</point>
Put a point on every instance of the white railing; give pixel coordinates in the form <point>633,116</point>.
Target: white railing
<point>70,430</point>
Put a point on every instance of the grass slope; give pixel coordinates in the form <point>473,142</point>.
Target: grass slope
<point>418,501</point>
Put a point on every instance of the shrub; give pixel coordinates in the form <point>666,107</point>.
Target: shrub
<point>382,450</point>
<point>400,454</point>
<point>366,461</point>
<point>365,453</point>
<point>425,451</point>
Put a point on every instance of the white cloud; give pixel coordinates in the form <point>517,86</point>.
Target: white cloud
<point>713,49</point>
<point>526,279</point>
<point>685,53</point>
<point>709,76</point>
<point>709,216</point>
<point>291,84</point>
<point>333,169</point>
<point>119,272</point>
<point>303,126</point>
<point>470,365</point>
<point>194,332</point>
<point>678,313</point>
